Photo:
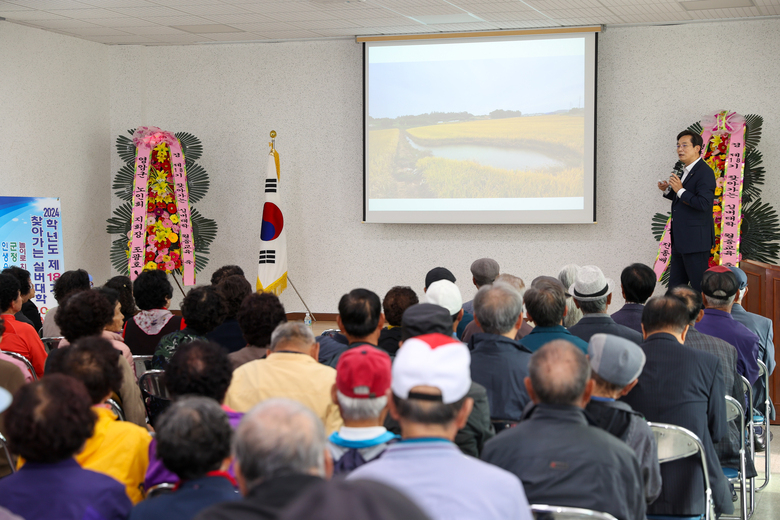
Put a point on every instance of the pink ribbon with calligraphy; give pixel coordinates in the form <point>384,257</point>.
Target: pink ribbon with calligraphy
<point>664,251</point>
<point>145,140</point>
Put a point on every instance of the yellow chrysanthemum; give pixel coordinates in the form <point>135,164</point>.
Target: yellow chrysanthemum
<point>150,266</point>
<point>175,219</point>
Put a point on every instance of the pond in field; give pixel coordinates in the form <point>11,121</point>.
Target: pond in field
<point>506,158</point>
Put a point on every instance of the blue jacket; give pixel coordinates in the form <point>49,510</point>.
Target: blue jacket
<point>540,336</point>
<point>722,325</point>
<point>630,315</point>
<point>500,364</point>
<point>591,324</point>
<point>191,498</point>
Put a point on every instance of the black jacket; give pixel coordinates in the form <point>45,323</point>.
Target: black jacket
<point>692,228</point>
<point>562,460</point>
<point>591,324</point>
<point>683,386</point>
<point>500,365</point>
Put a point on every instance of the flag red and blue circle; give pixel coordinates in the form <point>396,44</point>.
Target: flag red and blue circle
<point>273,222</point>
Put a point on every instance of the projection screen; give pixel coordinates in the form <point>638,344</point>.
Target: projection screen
<point>480,130</point>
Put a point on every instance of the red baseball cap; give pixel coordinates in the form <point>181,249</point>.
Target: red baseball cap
<point>363,372</point>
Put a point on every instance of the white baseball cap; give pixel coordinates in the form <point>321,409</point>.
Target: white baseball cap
<point>435,360</point>
<point>445,294</point>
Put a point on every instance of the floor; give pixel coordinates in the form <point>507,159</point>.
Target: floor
<point>767,501</point>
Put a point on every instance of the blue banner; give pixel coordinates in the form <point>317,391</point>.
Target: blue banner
<point>31,238</point>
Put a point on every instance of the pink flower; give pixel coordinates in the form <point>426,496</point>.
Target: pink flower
<point>175,228</point>
<point>170,266</point>
<point>721,181</point>
<point>150,221</point>
<point>163,251</point>
<point>151,240</point>
<point>166,214</point>
<point>159,258</point>
<point>167,223</point>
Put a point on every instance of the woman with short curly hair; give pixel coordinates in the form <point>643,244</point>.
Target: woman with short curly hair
<point>153,293</point>
<point>233,290</point>
<point>258,316</point>
<point>47,424</point>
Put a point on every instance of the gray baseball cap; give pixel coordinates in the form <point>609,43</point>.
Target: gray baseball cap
<point>741,276</point>
<point>615,359</point>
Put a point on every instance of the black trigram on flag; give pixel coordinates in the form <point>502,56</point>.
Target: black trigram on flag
<point>270,185</point>
<point>268,257</point>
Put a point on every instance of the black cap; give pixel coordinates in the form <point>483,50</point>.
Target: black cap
<point>438,273</point>
<point>425,318</point>
<point>718,282</point>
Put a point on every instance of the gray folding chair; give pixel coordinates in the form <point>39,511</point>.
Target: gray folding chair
<point>7,453</point>
<point>545,512</point>
<point>765,422</point>
<point>163,488</point>
<point>116,409</point>
<point>734,412</point>
<point>154,393</point>
<point>52,342</point>
<point>142,365</point>
<point>24,360</point>
<point>751,448</point>
<point>676,442</point>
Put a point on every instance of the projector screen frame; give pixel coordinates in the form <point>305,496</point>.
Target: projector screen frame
<point>495,217</point>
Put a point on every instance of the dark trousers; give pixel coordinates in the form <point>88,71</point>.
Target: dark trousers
<point>688,267</point>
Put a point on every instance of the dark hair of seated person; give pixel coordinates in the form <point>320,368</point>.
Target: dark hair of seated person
<point>70,282</point>
<point>225,271</point>
<point>84,314</point>
<point>124,287</point>
<point>203,309</point>
<point>396,301</point>
<point>193,437</point>
<point>151,290</point>
<point>258,316</point>
<point>359,311</point>
<point>233,289</point>
<point>664,313</point>
<point>50,419</point>
<point>22,276</point>
<point>94,362</point>
<point>9,291</point>
<point>638,281</point>
<point>199,368</point>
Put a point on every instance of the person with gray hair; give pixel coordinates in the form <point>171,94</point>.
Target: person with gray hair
<point>558,456</point>
<point>566,276</point>
<point>498,361</point>
<point>291,370</point>
<point>545,306</point>
<point>592,293</point>
<point>516,282</point>
<point>280,452</point>
<point>193,441</point>
<point>484,271</point>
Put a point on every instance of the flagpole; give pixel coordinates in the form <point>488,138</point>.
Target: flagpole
<point>301,298</point>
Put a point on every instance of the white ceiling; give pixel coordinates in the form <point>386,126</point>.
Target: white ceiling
<point>161,22</point>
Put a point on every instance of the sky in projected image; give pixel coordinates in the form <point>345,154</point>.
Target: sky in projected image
<point>529,76</point>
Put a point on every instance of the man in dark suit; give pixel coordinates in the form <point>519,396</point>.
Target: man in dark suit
<point>693,234</point>
<point>637,281</point>
<point>592,294</point>
<point>682,386</point>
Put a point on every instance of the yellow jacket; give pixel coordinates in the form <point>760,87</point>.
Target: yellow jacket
<point>286,374</point>
<point>117,449</point>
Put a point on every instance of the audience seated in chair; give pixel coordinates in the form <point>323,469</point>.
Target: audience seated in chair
<point>29,312</point>
<point>259,315</point>
<point>291,370</point>
<point>519,285</point>
<point>684,387</point>
<point>396,301</point>
<point>193,440</point>
<point>446,294</point>
<point>12,378</point>
<point>153,293</point>
<point>616,364</point>
<point>427,318</point>
<point>545,304</point>
<point>637,281</point>
<point>484,271</point>
<point>85,314</point>
<point>47,424</point>
<point>233,289</point>
<point>198,368</point>
<point>498,361</point>
<point>719,288</point>
<point>360,319</point>
<point>442,273</point>
<point>430,383</point>
<point>280,453</point>
<point>558,456</point>
<point>361,392</point>
<point>117,448</point>
<point>202,309</point>
<point>592,294</point>
<point>24,369</point>
<point>19,337</point>
<point>124,287</point>
<point>566,276</point>
<point>225,271</point>
<point>69,283</point>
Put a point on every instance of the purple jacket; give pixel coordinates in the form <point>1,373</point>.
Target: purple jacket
<point>722,325</point>
<point>157,473</point>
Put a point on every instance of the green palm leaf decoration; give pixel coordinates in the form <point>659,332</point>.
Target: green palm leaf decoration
<point>696,127</point>
<point>753,126</point>
<point>760,233</point>
<point>658,225</point>
<point>754,175</point>
<point>190,145</point>
<point>197,180</point>
<point>204,230</point>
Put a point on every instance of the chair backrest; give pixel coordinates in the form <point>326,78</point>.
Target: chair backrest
<point>7,453</point>
<point>734,410</point>
<point>547,512</point>
<point>52,342</point>
<point>676,442</point>
<point>116,409</point>
<point>142,364</point>
<point>24,360</point>
<point>761,368</point>
<point>160,489</point>
<point>151,383</point>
